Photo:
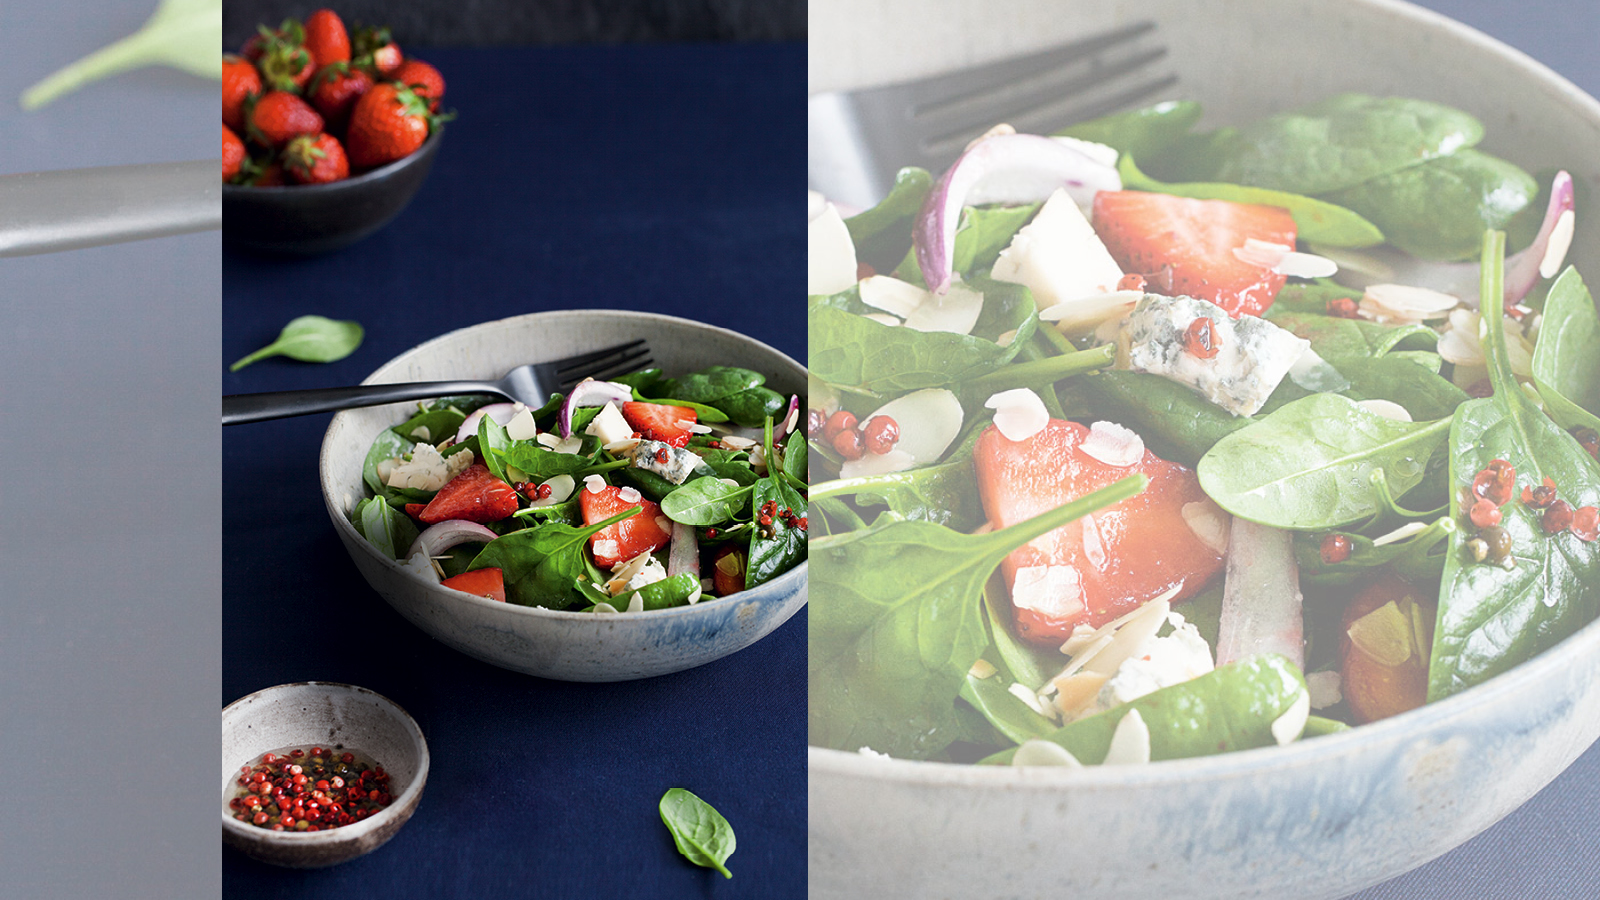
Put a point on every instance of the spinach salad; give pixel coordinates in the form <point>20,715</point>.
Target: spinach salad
<point>1139,441</point>
<point>640,493</point>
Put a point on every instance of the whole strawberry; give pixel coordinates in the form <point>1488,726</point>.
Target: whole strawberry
<point>376,51</point>
<point>239,82</point>
<point>326,37</point>
<point>285,63</point>
<point>232,154</point>
<point>278,117</point>
<point>334,92</point>
<point>389,122</point>
<point>315,159</point>
<point>269,175</point>
<point>422,78</point>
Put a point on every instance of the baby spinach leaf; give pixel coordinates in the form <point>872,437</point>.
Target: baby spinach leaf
<point>645,383</point>
<point>1003,710</point>
<point>1307,297</point>
<point>440,424</point>
<point>1026,664</point>
<point>713,383</point>
<point>702,412</point>
<point>882,234</point>
<point>1439,210</point>
<point>1490,617</point>
<point>1040,374</point>
<point>795,455</point>
<point>703,836</point>
<point>540,463</point>
<point>852,351</point>
<point>1140,132</point>
<point>387,445</point>
<point>705,501</point>
<point>1175,422</point>
<point>1566,360</point>
<point>897,621</point>
<point>1307,466</point>
<point>1338,339</point>
<point>181,33</point>
<point>1342,141</point>
<point>309,339</point>
<point>748,408</point>
<point>1397,379</point>
<point>1229,708</point>
<point>945,493</point>
<point>493,442</point>
<point>1364,555</point>
<point>772,556</point>
<point>672,591</point>
<point>1315,220</point>
<point>980,236</point>
<point>384,527</point>
<point>541,564</point>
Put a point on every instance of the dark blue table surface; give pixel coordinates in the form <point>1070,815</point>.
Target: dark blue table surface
<point>662,178</point>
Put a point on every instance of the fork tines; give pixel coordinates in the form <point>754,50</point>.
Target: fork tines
<point>603,364</point>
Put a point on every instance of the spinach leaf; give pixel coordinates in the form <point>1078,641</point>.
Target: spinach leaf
<point>384,527</point>
<point>440,424</point>
<point>703,836</point>
<point>795,455</point>
<point>541,564</point>
<point>1025,663</point>
<point>1364,555</point>
<point>1315,220</point>
<point>309,339</point>
<point>897,621</point>
<point>540,463</point>
<point>672,591</point>
<point>1492,618</point>
<point>1398,379</point>
<point>852,351</point>
<point>1338,340</point>
<point>1439,210</point>
<point>493,442</point>
<point>649,483</point>
<point>981,234</point>
<point>387,445</point>
<point>1308,465</point>
<point>702,412</point>
<point>645,382</point>
<point>1175,422</point>
<point>1003,710</point>
<point>181,34</point>
<point>784,546</point>
<point>1307,297</point>
<point>945,493</point>
<point>705,501</point>
<point>1229,708</point>
<point>878,234</point>
<point>1342,141</point>
<point>749,408</point>
<point>1140,132</point>
<point>713,383</point>
<point>1566,360</point>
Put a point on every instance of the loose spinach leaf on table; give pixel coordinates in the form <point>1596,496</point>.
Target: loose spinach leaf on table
<point>1566,360</point>
<point>1439,210</point>
<point>181,33</point>
<point>309,339</point>
<point>384,527</point>
<point>1492,618</point>
<point>851,351</point>
<point>705,501</point>
<point>703,836</point>
<point>1342,141</point>
<point>897,621</point>
<point>1143,132</point>
<point>1308,465</point>
<point>1229,708</point>
<point>540,565</point>
<point>1315,220</point>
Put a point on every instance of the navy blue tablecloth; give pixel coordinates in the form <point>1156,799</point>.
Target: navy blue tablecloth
<point>661,178</point>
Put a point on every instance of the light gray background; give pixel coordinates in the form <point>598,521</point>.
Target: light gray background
<point>110,572</point>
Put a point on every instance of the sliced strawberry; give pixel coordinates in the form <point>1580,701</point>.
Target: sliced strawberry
<point>628,538</point>
<point>489,583</point>
<point>1135,551</point>
<point>474,495</point>
<point>1192,241</point>
<point>414,510</point>
<point>659,422</point>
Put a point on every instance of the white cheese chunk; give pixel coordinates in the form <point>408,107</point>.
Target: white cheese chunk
<point>609,426</point>
<point>830,254</point>
<point>1057,256</point>
<point>1253,355</point>
<point>521,427</point>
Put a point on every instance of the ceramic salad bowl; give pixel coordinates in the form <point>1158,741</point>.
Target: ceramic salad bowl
<point>569,646</point>
<point>1318,818</point>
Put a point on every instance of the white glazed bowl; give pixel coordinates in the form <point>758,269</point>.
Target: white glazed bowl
<point>312,713</point>
<point>569,646</point>
<point>1316,819</point>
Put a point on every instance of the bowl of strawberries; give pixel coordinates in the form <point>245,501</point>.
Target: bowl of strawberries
<point>327,134</point>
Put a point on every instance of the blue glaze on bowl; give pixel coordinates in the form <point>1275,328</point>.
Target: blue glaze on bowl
<point>569,646</point>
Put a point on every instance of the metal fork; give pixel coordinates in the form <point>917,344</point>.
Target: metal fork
<point>858,140</point>
<point>530,384</point>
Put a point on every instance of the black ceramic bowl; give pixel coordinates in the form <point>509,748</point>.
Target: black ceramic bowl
<point>316,218</point>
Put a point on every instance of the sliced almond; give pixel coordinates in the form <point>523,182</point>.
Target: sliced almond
<point>1289,726</point>
<point>1208,523</point>
<point>1077,691</point>
<point>1113,444</point>
<point>1130,743</point>
<point>1388,409</point>
<point>900,298</point>
<point>1038,752</point>
<point>1018,413</point>
<point>982,669</point>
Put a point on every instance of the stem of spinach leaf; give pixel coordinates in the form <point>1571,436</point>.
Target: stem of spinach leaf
<point>1040,372</point>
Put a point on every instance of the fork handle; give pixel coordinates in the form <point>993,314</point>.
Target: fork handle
<point>51,211</point>
<point>240,408</point>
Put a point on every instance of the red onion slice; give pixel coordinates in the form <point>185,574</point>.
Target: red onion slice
<point>1261,610</point>
<point>592,393</point>
<point>790,419</point>
<point>441,536</point>
<point>1012,169</point>
<point>501,413</point>
<point>684,555</point>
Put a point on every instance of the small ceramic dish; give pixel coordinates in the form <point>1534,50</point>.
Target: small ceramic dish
<point>316,218</point>
<point>568,646</point>
<point>313,713</point>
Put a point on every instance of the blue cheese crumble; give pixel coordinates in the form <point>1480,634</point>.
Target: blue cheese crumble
<point>679,465</point>
<point>1253,354</point>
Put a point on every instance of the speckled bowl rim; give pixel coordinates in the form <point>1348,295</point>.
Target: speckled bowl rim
<point>784,584</point>
<point>398,806</point>
<point>1434,717</point>
<point>429,146</point>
